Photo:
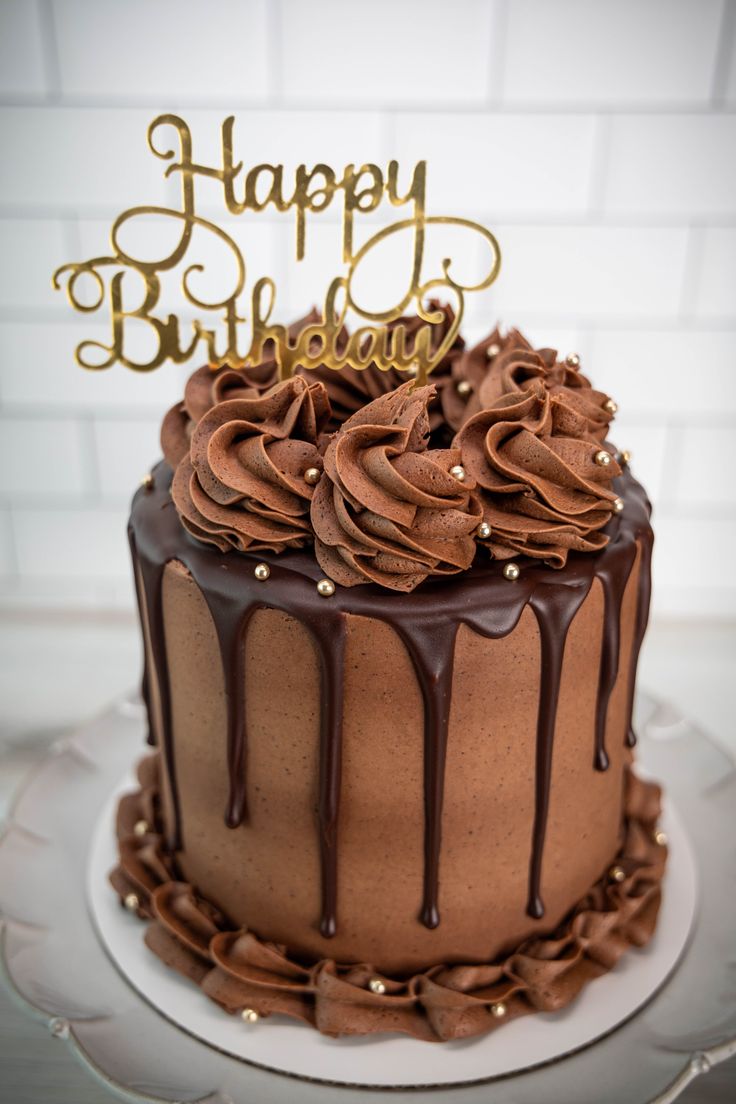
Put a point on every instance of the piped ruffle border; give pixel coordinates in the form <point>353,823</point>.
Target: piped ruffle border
<point>238,970</point>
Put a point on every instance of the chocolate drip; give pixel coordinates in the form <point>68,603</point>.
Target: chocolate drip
<point>427,621</point>
<point>331,649</point>
<point>152,571</point>
<point>644,598</point>
<point>613,576</point>
<point>231,622</point>
<point>145,687</point>
<point>554,610</point>
<point>432,650</point>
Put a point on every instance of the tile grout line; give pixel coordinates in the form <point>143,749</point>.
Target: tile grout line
<point>722,62</point>
<point>693,271</point>
<point>50,51</point>
<point>497,52</point>
<point>599,166</point>
<point>274,53</point>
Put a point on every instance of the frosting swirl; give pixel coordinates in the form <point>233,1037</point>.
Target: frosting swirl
<point>532,455</point>
<point>516,368</point>
<point>206,387</point>
<point>241,484</point>
<point>387,509</point>
<point>460,397</point>
<point>238,970</point>
<point>350,389</point>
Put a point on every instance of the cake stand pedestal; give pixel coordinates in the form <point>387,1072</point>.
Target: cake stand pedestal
<point>56,967</point>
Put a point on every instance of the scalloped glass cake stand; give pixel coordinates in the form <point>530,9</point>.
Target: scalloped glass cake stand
<point>55,965</point>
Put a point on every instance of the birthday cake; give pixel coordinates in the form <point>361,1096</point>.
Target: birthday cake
<point>391,638</point>
<point>392,591</point>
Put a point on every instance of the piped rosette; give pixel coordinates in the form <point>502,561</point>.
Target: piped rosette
<point>388,509</point>
<point>543,478</point>
<point>242,482</point>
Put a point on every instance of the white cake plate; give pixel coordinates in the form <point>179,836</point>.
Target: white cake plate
<point>397,1061</point>
<point>57,968</point>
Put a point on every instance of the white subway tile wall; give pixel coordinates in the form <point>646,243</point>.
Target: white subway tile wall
<point>597,140</point>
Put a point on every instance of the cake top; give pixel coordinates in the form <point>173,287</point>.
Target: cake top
<point>503,454</point>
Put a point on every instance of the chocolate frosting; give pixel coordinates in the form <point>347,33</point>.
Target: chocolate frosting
<point>532,454</point>
<point>517,368</point>
<point>241,483</point>
<point>350,390</point>
<point>238,969</point>
<point>460,397</point>
<point>388,509</point>
<point>207,387</point>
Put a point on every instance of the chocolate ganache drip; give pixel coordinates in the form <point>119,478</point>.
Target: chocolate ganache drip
<point>481,598</point>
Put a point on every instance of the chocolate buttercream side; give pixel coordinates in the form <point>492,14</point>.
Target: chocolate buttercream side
<point>237,969</point>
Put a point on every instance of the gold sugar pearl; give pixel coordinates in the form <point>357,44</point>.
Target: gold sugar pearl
<point>131,902</point>
<point>603,458</point>
<point>249,1015</point>
<point>493,351</point>
<point>312,476</point>
<point>660,838</point>
<point>140,828</point>
<point>484,530</point>
<point>147,482</point>
<point>498,1010</point>
<point>464,388</point>
<point>326,588</point>
<point>624,457</point>
<point>618,505</point>
<point>610,406</point>
<point>511,571</point>
<point>572,360</point>
<point>458,472</point>
<point>617,874</point>
<point>376,986</point>
<point>414,368</point>
<point>262,572</point>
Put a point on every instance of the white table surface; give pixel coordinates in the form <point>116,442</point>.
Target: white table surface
<point>58,670</point>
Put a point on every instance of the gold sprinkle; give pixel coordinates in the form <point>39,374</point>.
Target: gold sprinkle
<point>326,588</point>
<point>617,874</point>
<point>572,360</point>
<point>311,476</point>
<point>140,828</point>
<point>414,368</point>
<point>611,406</point>
<point>249,1015</point>
<point>493,351</point>
<point>602,458</point>
<point>262,572</point>
<point>618,505</point>
<point>147,482</point>
<point>660,838</point>
<point>511,571</point>
<point>131,902</point>
<point>376,986</point>
<point>624,457</point>
<point>498,1010</point>
<point>458,472</point>
<point>464,388</point>
<point>484,530</point>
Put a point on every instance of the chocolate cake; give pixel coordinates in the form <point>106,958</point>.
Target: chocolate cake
<point>391,638</point>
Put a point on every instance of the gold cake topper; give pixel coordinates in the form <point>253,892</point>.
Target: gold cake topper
<point>322,343</point>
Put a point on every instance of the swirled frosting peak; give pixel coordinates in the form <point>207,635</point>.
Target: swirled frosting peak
<point>388,509</point>
<point>350,389</point>
<point>241,483</point>
<point>534,455</point>
<point>207,386</point>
